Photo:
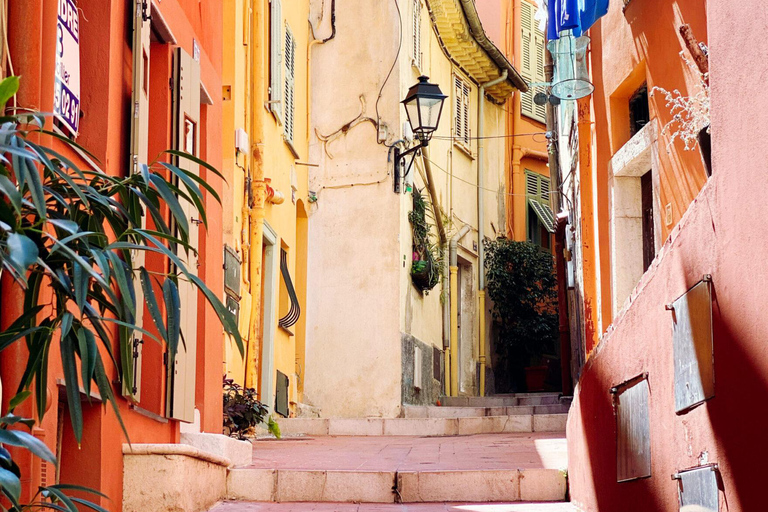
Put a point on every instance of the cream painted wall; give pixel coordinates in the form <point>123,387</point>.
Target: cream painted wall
<point>361,299</point>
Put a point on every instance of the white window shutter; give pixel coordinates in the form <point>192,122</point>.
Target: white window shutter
<point>290,85</point>
<point>532,68</point>
<point>276,59</point>
<point>181,371</point>
<point>416,50</point>
<point>139,156</point>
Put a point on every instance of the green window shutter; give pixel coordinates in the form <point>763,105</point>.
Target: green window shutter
<point>275,59</point>
<point>537,191</point>
<point>462,112</point>
<point>290,85</point>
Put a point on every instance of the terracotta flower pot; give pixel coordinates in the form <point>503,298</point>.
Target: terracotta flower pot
<point>535,377</point>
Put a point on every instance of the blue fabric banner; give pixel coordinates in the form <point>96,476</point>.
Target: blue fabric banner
<point>575,15</point>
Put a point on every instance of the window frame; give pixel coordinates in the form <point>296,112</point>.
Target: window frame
<point>462,113</point>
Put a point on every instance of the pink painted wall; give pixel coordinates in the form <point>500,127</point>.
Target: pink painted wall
<point>490,12</point>
<point>720,234</point>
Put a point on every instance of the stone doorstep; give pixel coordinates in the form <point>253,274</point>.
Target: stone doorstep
<point>266,485</point>
<point>434,411</point>
<point>423,427</point>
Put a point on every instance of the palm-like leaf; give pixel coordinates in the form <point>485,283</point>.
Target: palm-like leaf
<point>74,230</point>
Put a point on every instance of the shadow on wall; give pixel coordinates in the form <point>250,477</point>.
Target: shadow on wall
<point>730,427</point>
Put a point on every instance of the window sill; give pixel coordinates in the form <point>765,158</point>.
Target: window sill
<point>464,149</point>
<point>293,149</point>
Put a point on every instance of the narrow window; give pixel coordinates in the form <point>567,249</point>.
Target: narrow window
<point>289,85</point>
<point>541,220</point>
<point>275,59</point>
<point>461,114</point>
<point>633,429</point>
<point>416,48</point>
<point>646,198</point>
<point>532,48</point>
<point>639,113</point>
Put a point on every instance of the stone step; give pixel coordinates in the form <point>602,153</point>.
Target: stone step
<point>235,506</point>
<point>435,427</point>
<point>433,411</point>
<point>527,399</point>
<point>296,485</point>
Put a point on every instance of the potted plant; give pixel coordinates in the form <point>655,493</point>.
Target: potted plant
<point>520,281</point>
<point>427,256</point>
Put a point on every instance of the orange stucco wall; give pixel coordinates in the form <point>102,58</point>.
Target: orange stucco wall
<point>105,131</point>
<point>632,46</point>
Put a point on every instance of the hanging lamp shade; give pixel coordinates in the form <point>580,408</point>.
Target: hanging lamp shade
<point>571,74</point>
<point>424,105</point>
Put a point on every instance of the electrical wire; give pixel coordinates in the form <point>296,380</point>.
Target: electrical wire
<point>394,63</point>
<point>471,183</point>
<point>447,137</point>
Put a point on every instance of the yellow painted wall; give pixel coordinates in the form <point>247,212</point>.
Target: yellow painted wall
<point>280,165</point>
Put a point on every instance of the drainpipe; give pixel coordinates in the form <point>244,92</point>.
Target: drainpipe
<point>481,220</point>
<point>257,201</point>
<point>454,343</point>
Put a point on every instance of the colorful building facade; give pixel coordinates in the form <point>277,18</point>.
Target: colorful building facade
<point>149,80</point>
<point>266,161</point>
<point>381,342</point>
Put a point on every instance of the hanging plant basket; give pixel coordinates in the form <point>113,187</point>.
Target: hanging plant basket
<point>424,274</point>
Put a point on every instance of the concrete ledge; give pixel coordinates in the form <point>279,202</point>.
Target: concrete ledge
<point>549,422</point>
<point>421,427</point>
<point>306,426</point>
<point>252,484</point>
<point>167,478</point>
<point>239,452</point>
<point>355,427</point>
<point>542,485</point>
<point>459,486</point>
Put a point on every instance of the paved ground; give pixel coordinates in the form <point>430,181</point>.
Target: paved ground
<point>422,507</point>
<point>381,453</point>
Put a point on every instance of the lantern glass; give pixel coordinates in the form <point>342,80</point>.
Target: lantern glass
<point>424,105</point>
<point>571,73</point>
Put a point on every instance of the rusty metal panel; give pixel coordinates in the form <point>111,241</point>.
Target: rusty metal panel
<point>633,430</point>
<point>693,349</point>
<point>698,489</point>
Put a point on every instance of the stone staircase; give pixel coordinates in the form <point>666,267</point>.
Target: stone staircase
<point>471,450</point>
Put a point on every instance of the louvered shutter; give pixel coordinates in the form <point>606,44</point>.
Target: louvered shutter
<point>416,55</point>
<point>290,84</point>
<point>462,115</point>
<point>275,59</point>
<point>539,111</point>
<point>181,388</point>
<point>139,156</point>
<point>532,70</point>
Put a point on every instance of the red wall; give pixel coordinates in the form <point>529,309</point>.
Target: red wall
<point>106,67</point>
<point>720,234</point>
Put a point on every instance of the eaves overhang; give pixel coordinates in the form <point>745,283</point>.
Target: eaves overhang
<point>464,41</point>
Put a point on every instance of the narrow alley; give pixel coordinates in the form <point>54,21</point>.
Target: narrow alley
<point>383,255</point>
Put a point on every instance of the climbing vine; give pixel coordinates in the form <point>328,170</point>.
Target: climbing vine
<point>427,259</point>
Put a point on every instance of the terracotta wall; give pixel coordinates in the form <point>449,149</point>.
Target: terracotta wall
<point>718,236</point>
<point>105,130</point>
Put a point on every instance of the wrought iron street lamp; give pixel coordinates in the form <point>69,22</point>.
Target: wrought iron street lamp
<point>424,105</point>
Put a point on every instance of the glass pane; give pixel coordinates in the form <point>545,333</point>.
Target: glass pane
<point>430,112</point>
<point>412,109</point>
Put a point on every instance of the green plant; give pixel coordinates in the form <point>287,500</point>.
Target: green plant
<point>66,237</point>
<point>242,410</point>
<point>521,282</point>
<point>427,264</point>
<point>274,428</point>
